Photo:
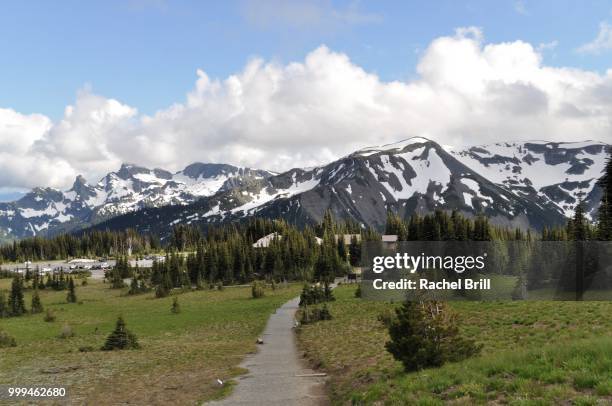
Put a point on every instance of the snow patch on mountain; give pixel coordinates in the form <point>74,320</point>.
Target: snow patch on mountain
<point>555,173</point>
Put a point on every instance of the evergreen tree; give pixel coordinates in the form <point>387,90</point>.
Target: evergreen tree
<point>16,304</point>
<point>355,252</point>
<point>604,225</point>
<point>164,287</point>
<point>341,248</point>
<point>121,338</point>
<point>578,226</point>
<point>36,306</point>
<point>176,308</point>
<point>4,310</point>
<point>425,334</point>
<point>116,279</point>
<point>71,296</point>
<point>134,287</point>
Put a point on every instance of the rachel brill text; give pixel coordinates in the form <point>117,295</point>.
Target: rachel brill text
<point>426,284</point>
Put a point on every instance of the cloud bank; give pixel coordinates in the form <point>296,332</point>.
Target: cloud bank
<point>276,116</point>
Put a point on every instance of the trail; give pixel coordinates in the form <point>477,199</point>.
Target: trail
<point>277,374</point>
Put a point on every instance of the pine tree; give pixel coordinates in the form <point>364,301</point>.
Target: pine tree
<point>163,288</point>
<point>4,311</point>
<point>134,288</point>
<point>355,252</point>
<point>16,304</point>
<point>579,224</point>
<point>36,306</point>
<point>176,308</point>
<point>425,334</point>
<point>604,226</point>
<point>341,248</point>
<point>116,279</point>
<point>71,296</point>
<point>121,338</point>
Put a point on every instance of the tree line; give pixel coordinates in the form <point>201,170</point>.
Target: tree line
<point>89,244</point>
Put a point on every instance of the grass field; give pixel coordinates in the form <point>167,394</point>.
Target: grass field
<point>181,357</point>
<point>535,353</point>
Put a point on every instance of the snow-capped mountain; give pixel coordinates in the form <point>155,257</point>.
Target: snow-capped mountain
<point>549,173</point>
<point>527,184</point>
<point>415,175</point>
<point>47,210</point>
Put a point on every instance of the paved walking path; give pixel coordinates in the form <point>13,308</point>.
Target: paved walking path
<point>274,371</point>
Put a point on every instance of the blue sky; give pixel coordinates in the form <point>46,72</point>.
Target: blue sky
<point>273,84</point>
<point>145,52</point>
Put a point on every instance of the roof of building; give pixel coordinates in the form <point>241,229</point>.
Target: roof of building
<point>264,242</point>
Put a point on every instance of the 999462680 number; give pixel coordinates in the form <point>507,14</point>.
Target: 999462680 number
<point>31,392</point>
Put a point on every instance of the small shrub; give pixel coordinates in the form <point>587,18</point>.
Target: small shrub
<point>220,286</point>
<point>176,308</point>
<point>358,291</point>
<point>121,338</point>
<point>315,314</point>
<point>604,388</point>
<point>324,313</point>
<point>519,291</point>
<point>71,295</point>
<point>86,348</point>
<point>199,284</point>
<point>6,340</point>
<point>314,294</point>
<point>161,291</point>
<point>3,305</point>
<point>257,290</point>
<point>36,306</point>
<point>585,381</point>
<point>386,317</point>
<point>84,282</point>
<point>67,331</point>
<point>49,316</point>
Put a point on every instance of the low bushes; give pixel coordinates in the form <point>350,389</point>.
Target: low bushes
<point>314,294</point>
<point>314,314</point>
<point>257,290</point>
<point>6,340</point>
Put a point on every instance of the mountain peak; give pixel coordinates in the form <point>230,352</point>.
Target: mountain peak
<point>79,180</point>
<point>207,170</point>
<point>128,170</point>
<point>82,189</point>
<point>395,146</point>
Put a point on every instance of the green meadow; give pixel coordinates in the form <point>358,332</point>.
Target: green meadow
<point>534,353</point>
<point>181,356</point>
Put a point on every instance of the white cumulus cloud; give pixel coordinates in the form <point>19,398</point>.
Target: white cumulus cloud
<point>277,116</point>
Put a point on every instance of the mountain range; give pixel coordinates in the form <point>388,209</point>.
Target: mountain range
<point>525,184</point>
<point>48,211</point>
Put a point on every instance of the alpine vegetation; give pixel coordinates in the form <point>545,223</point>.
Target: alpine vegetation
<point>121,338</point>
